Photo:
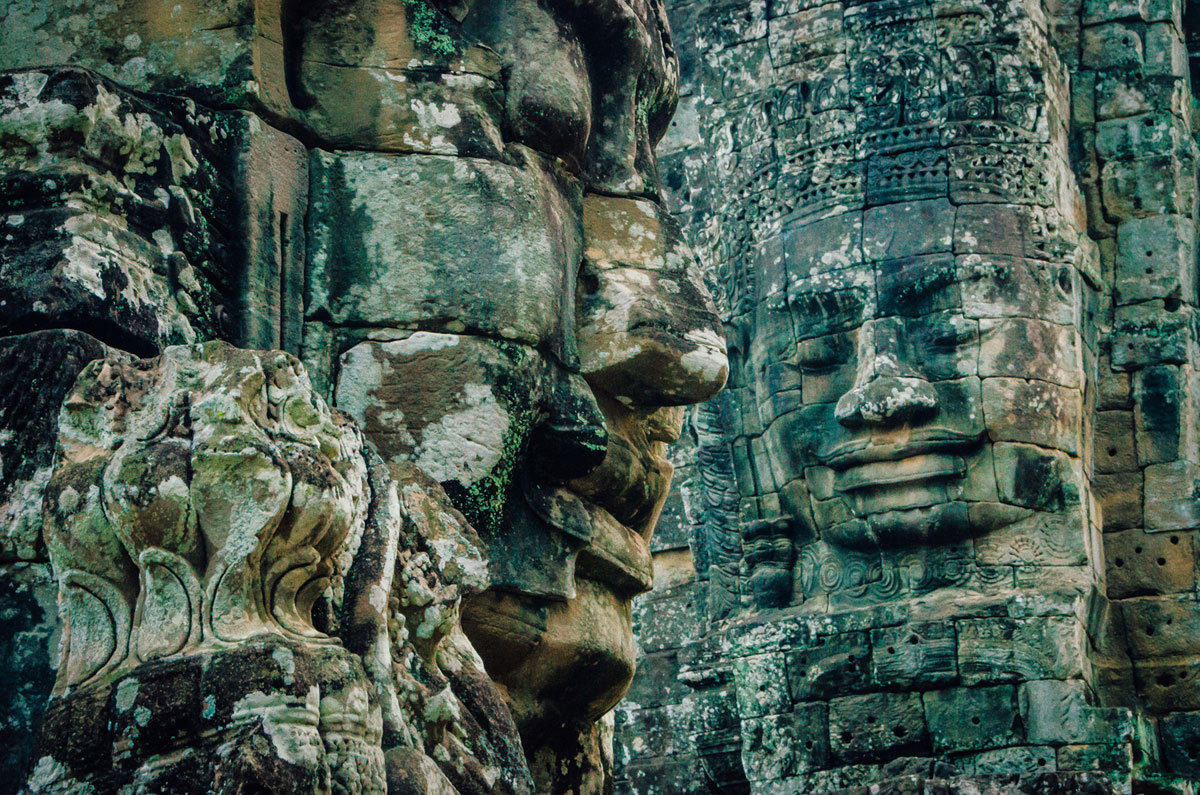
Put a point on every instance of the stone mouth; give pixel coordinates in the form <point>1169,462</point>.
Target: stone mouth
<point>614,554</point>
<point>869,456</point>
<point>911,470</point>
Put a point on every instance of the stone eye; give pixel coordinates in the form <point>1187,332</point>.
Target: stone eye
<point>950,337</point>
<point>818,362</point>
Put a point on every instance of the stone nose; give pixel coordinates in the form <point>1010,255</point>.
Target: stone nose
<point>572,438</point>
<point>887,400</point>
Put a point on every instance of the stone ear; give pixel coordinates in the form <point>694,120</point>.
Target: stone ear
<point>229,522</point>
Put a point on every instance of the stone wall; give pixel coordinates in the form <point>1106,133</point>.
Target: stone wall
<point>943,518</point>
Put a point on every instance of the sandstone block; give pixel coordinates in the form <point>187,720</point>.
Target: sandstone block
<point>1120,498</point>
<point>916,656</point>
<point>778,746</point>
<point>1144,564</point>
<point>1155,258</point>
<point>1161,626</point>
<point>1060,712</point>
<point>761,684</point>
<point>1172,496</point>
<point>1005,649</point>
<point>972,718</point>
<point>830,665</point>
<point>867,727</point>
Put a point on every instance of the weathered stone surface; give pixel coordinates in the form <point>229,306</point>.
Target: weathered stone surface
<point>451,212</point>
<point>29,651</point>
<point>417,235</point>
<point>960,301</point>
<point>877,726</point>
<point>944,511</point>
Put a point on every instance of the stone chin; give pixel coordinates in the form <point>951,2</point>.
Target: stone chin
<point>569,660</point>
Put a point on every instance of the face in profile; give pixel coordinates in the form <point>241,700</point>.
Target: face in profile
<point>514,311</point>
<point>922,401</point>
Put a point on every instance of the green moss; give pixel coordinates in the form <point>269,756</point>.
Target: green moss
<point>927,283</point>
<point>484,501</point>
<point>1152,328</point>
<point>429,30</point>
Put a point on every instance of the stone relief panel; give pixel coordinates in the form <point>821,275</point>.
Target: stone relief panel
<point>449,213</point>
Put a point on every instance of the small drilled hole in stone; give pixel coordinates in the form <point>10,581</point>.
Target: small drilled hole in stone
<point>1138,550</point>
<point>1170,621</point>
<point>1174,539</point>
<point>1149,630</point>
<point>871,719</point>
<point>808,744</point>
<point>975,720</point>
<point>1164,680</point>
<point>1161,561</point>
<point>914,640</point>
<point>1041,763</point>
<point>847,737</point>
<point>899,731</point>
<point>1119,562</point>
<point>891,649</point>
<point>1112,451</point>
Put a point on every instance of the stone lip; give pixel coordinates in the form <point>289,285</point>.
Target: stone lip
<point>860,452</point>
<point>900,472</point>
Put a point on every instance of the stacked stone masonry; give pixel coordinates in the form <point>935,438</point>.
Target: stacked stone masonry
<point>343,344</point>
<point>941,525</point>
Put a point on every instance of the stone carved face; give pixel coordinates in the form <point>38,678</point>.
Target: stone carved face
<point>937,395</point>
<point>910,372</point>
<point>513,310</point>
<point>455,226</point>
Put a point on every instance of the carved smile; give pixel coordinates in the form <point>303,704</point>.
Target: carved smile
<point>862,452</point>
<point>906,471</point>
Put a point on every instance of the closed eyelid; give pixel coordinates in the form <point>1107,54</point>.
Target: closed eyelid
<point>822,355</point>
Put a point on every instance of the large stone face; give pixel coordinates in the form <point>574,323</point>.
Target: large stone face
<point>955,457</point>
